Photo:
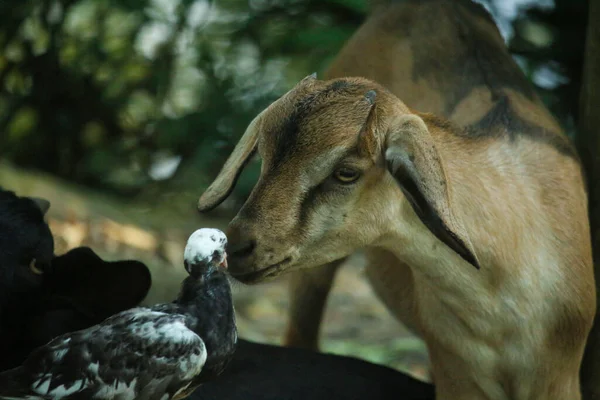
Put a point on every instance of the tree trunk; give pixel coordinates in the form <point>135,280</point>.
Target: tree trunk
<point>589,147</point>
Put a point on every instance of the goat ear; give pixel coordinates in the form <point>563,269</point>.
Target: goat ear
<point>243,151</point>
<point>308,78</point>
<point>369,141</point>
<point>226,179</point>
<point>414,161</point>
<point>43,204</point>
<point>100,287</point>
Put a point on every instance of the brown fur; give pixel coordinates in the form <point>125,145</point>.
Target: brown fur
<point>435,200</point>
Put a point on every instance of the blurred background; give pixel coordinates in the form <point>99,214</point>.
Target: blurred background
<point>121,113</point>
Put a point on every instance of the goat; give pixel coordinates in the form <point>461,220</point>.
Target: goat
<point>474,221</point>
<point>268,372</point>
<point>43,296</point>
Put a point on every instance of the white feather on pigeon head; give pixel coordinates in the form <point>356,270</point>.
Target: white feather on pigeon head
<point>204,245</point>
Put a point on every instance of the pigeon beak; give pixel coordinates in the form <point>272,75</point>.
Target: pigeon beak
<point>223,263</point>
<point>187,268</point>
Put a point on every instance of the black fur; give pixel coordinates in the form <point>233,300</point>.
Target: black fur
<point>268,372</point>
<point>24,236</point>
<point>502,116</point>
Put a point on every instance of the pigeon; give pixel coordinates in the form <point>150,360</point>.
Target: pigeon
<point>161,352</point>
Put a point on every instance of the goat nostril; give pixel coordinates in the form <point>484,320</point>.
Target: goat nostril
<point>242,249</point>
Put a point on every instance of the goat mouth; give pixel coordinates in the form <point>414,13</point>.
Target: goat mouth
<point>263,273</point>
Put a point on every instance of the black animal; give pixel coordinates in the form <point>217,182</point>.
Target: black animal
<point>268,372</point>
<point>26,250</point>
<point>42,296</point>
<point>81,290</point>
<point>163,352</point>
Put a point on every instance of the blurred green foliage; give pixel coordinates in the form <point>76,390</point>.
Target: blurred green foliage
<point>146,97</point>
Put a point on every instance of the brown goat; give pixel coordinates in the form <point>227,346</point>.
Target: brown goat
<point>475,230</point>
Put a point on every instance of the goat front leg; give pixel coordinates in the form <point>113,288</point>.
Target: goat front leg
<point>309,289</point>
<point>393,283</point>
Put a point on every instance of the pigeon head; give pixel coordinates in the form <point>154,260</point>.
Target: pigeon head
<point>205,252</point>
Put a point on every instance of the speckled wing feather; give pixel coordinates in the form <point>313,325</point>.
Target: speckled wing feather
<point>138,354</point>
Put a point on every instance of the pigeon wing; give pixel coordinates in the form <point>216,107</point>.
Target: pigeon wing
<point>139,353</point>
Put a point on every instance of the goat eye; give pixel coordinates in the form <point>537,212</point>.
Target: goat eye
<point>34,268</point>
<point>346,175</point>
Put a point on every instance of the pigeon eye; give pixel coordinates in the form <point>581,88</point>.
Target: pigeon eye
<point>34,268</point>
<point>216,256</point>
